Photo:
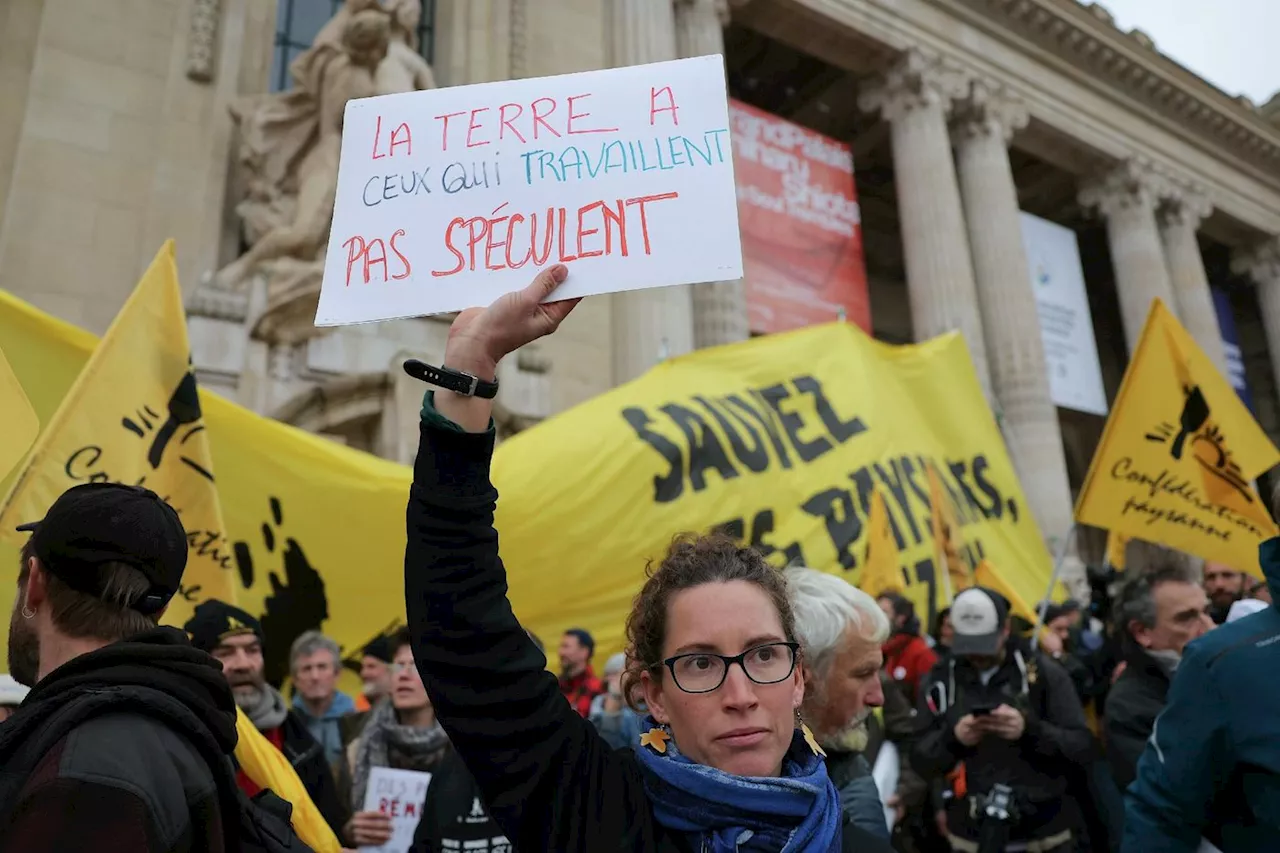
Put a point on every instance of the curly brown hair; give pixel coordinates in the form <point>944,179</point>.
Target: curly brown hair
<point>692,560</point>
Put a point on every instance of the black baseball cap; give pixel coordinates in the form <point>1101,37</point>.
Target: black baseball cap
<point>96,523</point>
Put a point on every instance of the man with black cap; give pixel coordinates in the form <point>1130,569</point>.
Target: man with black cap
<point>235,638</point>
<point>124,740</point>
<point>1004,724</point>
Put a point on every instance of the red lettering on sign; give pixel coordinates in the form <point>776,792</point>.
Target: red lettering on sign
<point>573,115</point>
<point>671,107</point>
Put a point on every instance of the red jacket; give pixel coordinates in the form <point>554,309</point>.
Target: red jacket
<point>581,689</point>
<point>907,659</point>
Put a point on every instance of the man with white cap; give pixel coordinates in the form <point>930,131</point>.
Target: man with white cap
<point>1005,727</point>
<point>11,695</point>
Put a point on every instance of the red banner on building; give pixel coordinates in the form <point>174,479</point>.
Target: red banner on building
<point>801,227</point>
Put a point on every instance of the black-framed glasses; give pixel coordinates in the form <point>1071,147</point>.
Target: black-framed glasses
<point>703,672</point>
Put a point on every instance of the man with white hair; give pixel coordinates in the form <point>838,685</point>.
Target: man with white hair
<point>841,630</point>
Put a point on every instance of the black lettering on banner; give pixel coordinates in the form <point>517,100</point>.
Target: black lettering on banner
<point>666,487</point>
<point>980,466</point>
<point>927,574</point>
<point>761,526</point>
<point>840,430</point>
<point>910,472</point>
<point>835,508</point>
<point>968,509</point>
<point>705,451</point>
<point>762,413</point>
<point>755,457</point>
<point>865,486</point>
<point>894,482</point>
<point>793,424</point>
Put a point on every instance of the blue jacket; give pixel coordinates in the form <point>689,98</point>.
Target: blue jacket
<point>1212,765</point>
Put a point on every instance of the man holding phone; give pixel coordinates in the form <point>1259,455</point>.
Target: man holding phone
<point>1003,722</point>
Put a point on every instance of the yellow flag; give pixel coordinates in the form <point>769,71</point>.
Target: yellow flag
<point>946,539</point>
<point>268,768</point>
<point>1179,453</point>
<point>1116,546</point>
<point>989,576</point>
<point>133,416</point>
<point>19,425</point>
<point>880,572</point>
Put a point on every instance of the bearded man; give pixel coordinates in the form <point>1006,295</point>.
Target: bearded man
<point>235,638</point>
<point>841,630</point>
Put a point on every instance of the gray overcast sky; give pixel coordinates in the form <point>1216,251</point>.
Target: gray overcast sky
<point>1230,43</point>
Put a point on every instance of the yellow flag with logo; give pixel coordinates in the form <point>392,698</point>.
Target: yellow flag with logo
<point>1179,454</point>
<point>947,540</point>
<point>19,425</point>
<point>133,416</point>
<point>880,572</point>
<point>1117,544</point>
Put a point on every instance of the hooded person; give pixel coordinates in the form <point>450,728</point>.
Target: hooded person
<point>235,638</point>
<point>124,741</point>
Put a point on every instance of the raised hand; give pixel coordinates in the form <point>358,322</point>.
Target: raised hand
<point>480,337</point>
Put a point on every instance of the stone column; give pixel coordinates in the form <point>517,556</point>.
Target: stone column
<point>982,127</point>
<point>1262,264</point>
<point>1179,216</point>
<point>1127,196</point>
<point>719,308</point>
<point>648,325</point>
<point>914,96</point>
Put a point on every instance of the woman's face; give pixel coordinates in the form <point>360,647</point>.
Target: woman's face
<point>407,692</point>
<point>742,727</point>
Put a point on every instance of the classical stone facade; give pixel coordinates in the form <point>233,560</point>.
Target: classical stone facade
<point>125,124</point>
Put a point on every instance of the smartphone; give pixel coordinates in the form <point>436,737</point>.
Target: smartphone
<point>982,710</point>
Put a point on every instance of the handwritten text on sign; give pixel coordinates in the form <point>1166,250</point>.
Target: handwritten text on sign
<point>449,198</point>
<point>398,794</point>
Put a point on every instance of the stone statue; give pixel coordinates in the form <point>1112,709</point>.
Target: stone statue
<point>291,141</point>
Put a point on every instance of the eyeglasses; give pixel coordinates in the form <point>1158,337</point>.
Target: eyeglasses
<point>703,672</point>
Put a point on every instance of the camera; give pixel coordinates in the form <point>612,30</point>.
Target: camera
<point>996,815</point>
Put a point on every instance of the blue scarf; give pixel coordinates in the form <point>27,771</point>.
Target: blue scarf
<point>798,812</point>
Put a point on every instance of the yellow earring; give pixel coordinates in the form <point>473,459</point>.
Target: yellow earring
<point>656,739</point>
<point>812,741</point>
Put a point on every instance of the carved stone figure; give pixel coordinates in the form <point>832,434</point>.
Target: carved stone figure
<point>290,141</point>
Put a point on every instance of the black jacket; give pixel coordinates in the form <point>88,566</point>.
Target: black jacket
<point>307,757</point>
<point>1056,739</point>
<point>124,780</point>
<point>1135,700</point>
<point>549,779</point>
<point>454,816</point>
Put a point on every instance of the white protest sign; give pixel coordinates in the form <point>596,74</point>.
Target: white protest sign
<point>449,198</point>
<point>399,794</point>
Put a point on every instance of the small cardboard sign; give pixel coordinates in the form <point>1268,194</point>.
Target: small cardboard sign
<point>448,198</point>
<point>399,794</point>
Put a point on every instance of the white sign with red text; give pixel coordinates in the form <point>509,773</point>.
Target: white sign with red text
<point>448,198</point>
<point>398,794</point>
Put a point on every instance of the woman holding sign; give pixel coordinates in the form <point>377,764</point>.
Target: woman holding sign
<point>722,764</point>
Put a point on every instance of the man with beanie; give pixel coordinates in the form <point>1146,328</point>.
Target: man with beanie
<point>577,682</point>
<point>124,741</point>
<point>235,638</point>
<point>375,673</point>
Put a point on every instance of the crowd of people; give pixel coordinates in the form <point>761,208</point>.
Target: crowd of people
<point>753,709</point>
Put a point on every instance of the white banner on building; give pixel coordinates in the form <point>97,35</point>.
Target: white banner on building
<point>1070,350</point>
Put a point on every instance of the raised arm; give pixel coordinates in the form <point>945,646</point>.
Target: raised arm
<point>550,782</point>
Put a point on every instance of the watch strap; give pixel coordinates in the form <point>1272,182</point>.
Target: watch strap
<point>457,381</point>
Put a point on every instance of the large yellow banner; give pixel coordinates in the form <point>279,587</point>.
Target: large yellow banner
<point>781,440</point>
<point>1178,456</point>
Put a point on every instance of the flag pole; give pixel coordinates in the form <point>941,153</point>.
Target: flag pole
<point>1043,606</point>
